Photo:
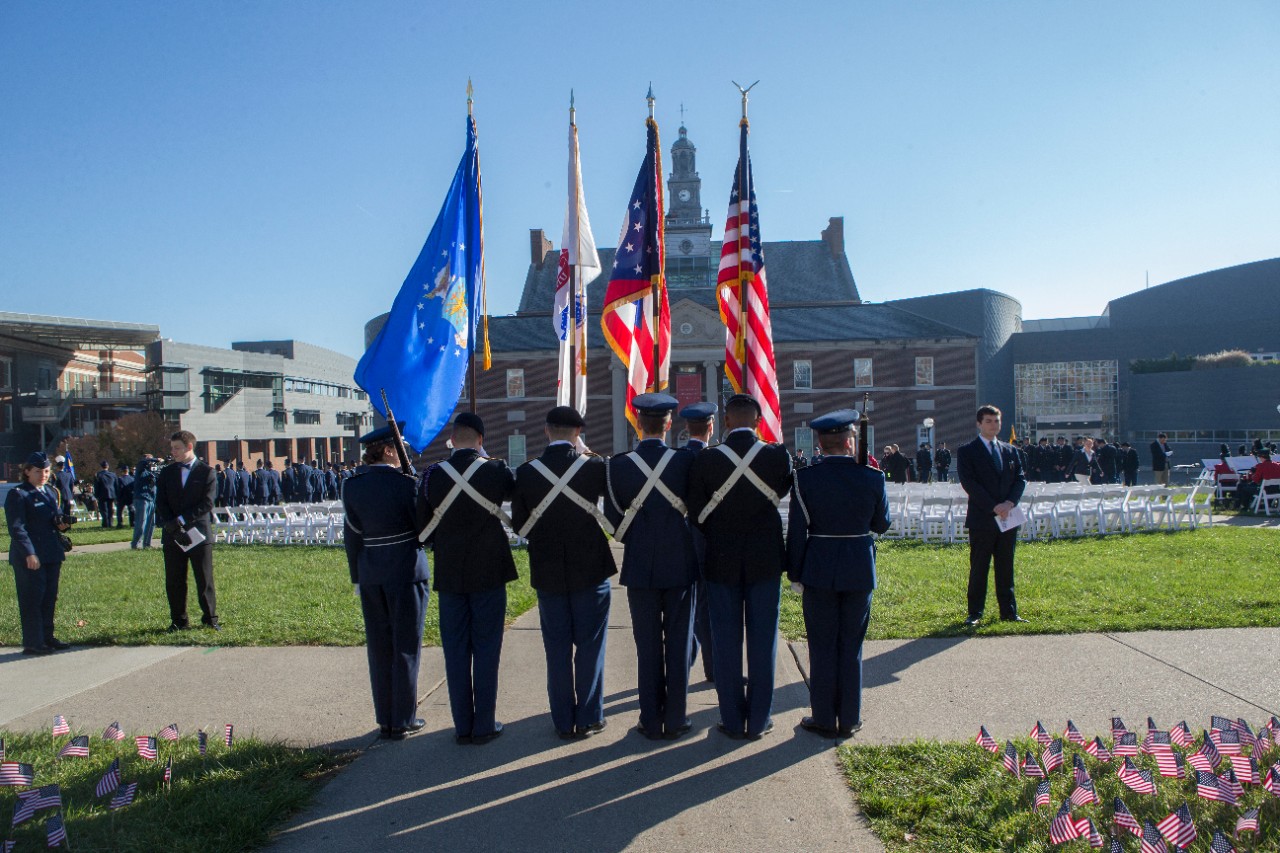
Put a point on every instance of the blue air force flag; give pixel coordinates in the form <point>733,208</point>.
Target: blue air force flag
<point>420,356</point>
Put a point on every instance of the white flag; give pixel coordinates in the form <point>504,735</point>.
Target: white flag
<point>578,249</point>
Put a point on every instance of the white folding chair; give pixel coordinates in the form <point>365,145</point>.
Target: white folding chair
<point>1267,499</point>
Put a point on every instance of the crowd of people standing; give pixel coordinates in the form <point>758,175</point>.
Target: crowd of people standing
<point>294,482</point>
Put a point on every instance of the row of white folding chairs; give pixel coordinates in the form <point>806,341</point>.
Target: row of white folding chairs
<point>287,524</point>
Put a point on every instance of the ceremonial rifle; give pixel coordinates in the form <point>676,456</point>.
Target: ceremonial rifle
<point>405,467</point>
<point>864,427</point>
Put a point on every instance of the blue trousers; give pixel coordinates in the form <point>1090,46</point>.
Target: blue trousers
<point>144,523</point>
<point>393,615</point>
<point>836,624</point>
<point>37,598</point>
<point>574,627</point>
<point>471,626</point>
<point>107,507</point>
<point>663,629</point>
<point>733,607</point>
<point>702,632</point>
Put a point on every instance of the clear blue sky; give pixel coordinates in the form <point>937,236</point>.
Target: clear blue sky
<point>247,170</point>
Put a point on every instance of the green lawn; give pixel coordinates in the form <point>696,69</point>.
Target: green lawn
<point>956,798</point>
<point>84,533</point>
<point>225,802</point>
<point>1208,578</point>
<point>267,596</point>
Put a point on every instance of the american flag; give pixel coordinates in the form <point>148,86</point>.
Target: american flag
<point>30,802</point>
<point>1261,745</point>
<point>109,781</point>
<point>1151,724</point>
<point>1232,783</point>
<point>1274,723</point>
<point>639,267</point>
<point>16,775</point>
<point>1221,843</point>
<point>1031,767</point>
<point>1,749</point>
<point>1098,749</point>
<point>1246,768</point>
<point>1081,774</point>
<point>55,831</point>
<point>1248,822</point>
<point>1042,795</point>
<point>1063,828</point>
<point>748,349</point>
<point>1247,737</point>
<point>1084,794</point>
<point>577,255</point>
<point>168,772</point>
<point>169,732</point>
<point>1115,847</point>
<point>1157,741</point>
<point>77,746</point>
<point>1117,728</point>
<point>1228,743</point>
<point>1139,781</point>
<point>1125,819</point>
<point>202,742</point>
<point>228,734</point>
<point>1178,827</point>
<point>9,844</point>
<point>1210,751</point>
<point>1151,840</point>
<point>146,747</point>
<point>986,741</point>
<point>1089,831</point>
<point>1210,787</point>
<point>124,796</point>
<point>60,726</point>
<point>1039,734</point>
<point>1010,759</point>
<point>1181,735</point>
<point>1126,744</point>
<point>1271,782</point>
<point>1221,724</point>
<point>1171,764</point>
<point>113,732</point>
<point>1072,734</point>
<point>1053,756</point>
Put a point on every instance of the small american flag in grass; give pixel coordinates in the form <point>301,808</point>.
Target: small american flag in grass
<point>1072,734</point>
<point>1079,770</point>
<point>1210,751</point>
<point>1053,756</point>
<point>1232,783</point>
<point>1271,782</point>
<point>202,742</point>
<point>1063,828</point>
<point>1084,794</point>
<point>1181,735</point>
<point>1138,781</point>
<point>1039,734</point>
<point>16,775</point>
<point>984,740</point>
<point>1246,769</point>
<point>1088,831</point>
<point>1220,723</point>
<point>1124,818</point>
<point>113,732</point>
<point>30,802</point>
<point>60,726</point>
<point>146,746</point>
<point>1031,768</point>
<point>55,831</point>
<point>1157,741</point>
<point>109,781</point>
<point>1126,744</point>
<point>1010,759</point>
<point>1247,737</point>
<point>124,796</point>
<point>1261,746</point>
<point>1247,822</point>
<point>1117,728</point>
<point>1042,795</point>
<point>1151,840</point>
<point>1,749</point>
<point>1210,787</point>
<point>169,732</point>
<point>1115,847</point>
<point>1178,827</point>
<point>77,747</point>
<point>1227,743</point>
<point>1171,764</point>
<point>1221,843</point>
<point>168,772</point>
<point>1098,749</point>
<point>228,735</point>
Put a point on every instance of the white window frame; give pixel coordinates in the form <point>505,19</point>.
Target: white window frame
<point>516,374</point>
<point>923,361</point>
<point>795,374</point>
<point>871,381</point>
<point>517,450</point>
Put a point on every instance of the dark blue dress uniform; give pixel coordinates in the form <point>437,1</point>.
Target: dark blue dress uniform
<point>65,484</point>
<point>659,568</point>
<point>701,616</point>
<point>744,562</point>
<point>288,483</point>
<point>383,518</point>
<point>570,564</point>
<point>104,491</point>
<point>29,513</point>
<point>835,509</point>
<point>473,565</point>
<point>246,484</point>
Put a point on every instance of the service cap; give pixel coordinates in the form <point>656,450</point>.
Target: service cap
<point>470,420</point>
<point>834,423</point>
<point>654,404</point>
<point>565,416</point>
<point>699,411</point>
<point>383,433</point>
<point>39,459</point>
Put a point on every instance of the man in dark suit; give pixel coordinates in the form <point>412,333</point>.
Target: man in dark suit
<point>1108,456</point>
<point>991,474</point>
<point>942,462</point>
<point>659,566</point>
<point>734,491</point>
<point>220,476</point>
<point>104,492</point>
<point>464,495</point>
<point>1129,463</point>
<point>274,489</point>
<point>245,485</point>
<point>1160,454</point>
<point>700,421</point>
<point>185,492</point>
<point>288,483</point>
<point>1063,455</point>
<point>317,481</point>
<point>124,494</point>
<point>924,463</point>
<point>302,471</point>
<point>234,498</point>
<point>831,559</point>
<point>570,564</point>
<point>386,561</point>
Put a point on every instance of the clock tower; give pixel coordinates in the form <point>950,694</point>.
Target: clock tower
<point>688,227</point>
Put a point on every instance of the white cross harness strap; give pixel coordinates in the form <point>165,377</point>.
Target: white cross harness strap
<point>652,481</point>
<point>560,485</point>
<point>808,522</point>
<point>461,484</point>
<point>741,468</point>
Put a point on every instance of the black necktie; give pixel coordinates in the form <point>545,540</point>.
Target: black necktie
<point>995,456</point>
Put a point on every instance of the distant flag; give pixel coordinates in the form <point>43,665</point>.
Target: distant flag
<point>1090,832</point>
<point>1010,758</point>
<point>1271,783</point>
<point>1247,737</point>
<point>1151,840</point>
<point>1125,819</point>
<point>55,831</point>
<point>1083,794</point>
<point>1151,724</point>
<point>146,746</point>
<point>1072,734</point>
<point>168,772</point>
<point>1081,773</point>
<point>1171,764</point>
<point>1139,781</point>
<point>228,733</point>
<point>1042,795</point>
<point>124,796</point>
<point>1228,743</point>
<point>1178,827</point>
<point>30,802</point>
<point>984,740</point>
<point>109,781</point>
<point>1031,768</point>
<point>1098,749</point>
<point>420,356</point>
<point>1261,745</point>
<point>1210,751</point>
<point>1248,822</point>
<point>1,749</point>
<point>743,295</point>
<point>1210,787</point>
<point>1053,756</point>
<point>638,279</point>
<point>1246,769</point>
<point>1115,847</point>
<point>1232,783</point>
<point>169,732</point>
<point>1063,828</point>
<point>1221,724</point>
<point>202,742</point>
<point>1157,741</point>
<point>16,775</point>
<point>9,844</point>
<point>60,726</point>
<point>1039,734</point>
<point>1126,744</point>
<point>1274,723</point>
<point>1181,735</point>
<point>1117,728</point>
<point>113,732</point>
<point>1221,843</point>
<point>77,747</point>
<point>577,256</point>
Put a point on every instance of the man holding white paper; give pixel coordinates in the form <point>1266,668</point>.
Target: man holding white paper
<point>185,493</point>
<point>991,474</point>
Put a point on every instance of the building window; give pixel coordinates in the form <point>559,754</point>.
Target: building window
<point>1066,398</point>
<point>278,421</point>
<point>515,450</point>
<point>6,418</point>
<point>924,370</point>
<point>515,383</point>
<point>862,377</point>
<point>305,417</point>
<point>804,439</point>
<point>802,374</point>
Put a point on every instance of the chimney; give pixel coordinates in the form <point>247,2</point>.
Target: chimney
<point>833,236</point>
<point>539,245</point>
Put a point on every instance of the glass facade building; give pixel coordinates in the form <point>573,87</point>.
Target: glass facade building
<point>1066,398</point>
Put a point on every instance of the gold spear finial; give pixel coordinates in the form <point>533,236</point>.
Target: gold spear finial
<point>571,110</point>
<point>744,96</point>
<point>471,91</point>
<point>649,97</point>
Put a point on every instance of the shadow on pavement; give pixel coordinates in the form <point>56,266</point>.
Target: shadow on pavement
<point>883,668</point>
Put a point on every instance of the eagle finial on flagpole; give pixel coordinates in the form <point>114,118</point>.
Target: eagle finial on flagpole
<point>744,96</point>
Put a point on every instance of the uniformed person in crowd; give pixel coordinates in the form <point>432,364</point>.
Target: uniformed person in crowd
<point>221,478</point>
<point>555,508</point>
<point>317,481</point>
<point>124,494</point>
<point>659,565</point>
<point>34,516</point>
<point>275,491</point>
<point>144,501</point>
<point>331,483</point>
<point>700,422</point>
<point>473,565</point>
<point>246,483</point>
<point>942,462</point>
<point>383,518</point>
<point>734,491</point>
<point>836,507</point>
<point>234,497</point>
<point>260,485</point>
<point>64,482</point>
<point>104,491</point>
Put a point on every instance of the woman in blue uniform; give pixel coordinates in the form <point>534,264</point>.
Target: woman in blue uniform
<point>35,552</point>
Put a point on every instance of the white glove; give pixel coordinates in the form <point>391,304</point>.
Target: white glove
<point>797,587</point>
<point>581,446</point>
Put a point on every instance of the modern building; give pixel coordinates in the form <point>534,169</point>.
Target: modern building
<point>259,400</point>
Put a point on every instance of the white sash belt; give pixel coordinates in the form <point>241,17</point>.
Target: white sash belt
<point>652,481</point>
<point>559,486</point>
<point>741,468</point>
<point>461,485</point>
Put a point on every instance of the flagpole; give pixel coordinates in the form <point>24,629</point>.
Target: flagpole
<point>744,288</point>
<point>573,270</point>
<point>471,366</point>
<point>659,233</point>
